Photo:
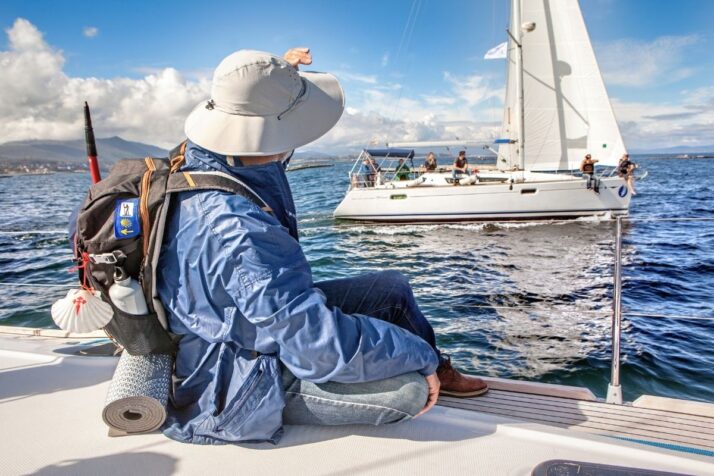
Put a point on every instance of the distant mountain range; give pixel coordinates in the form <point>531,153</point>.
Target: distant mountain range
<point>110,150</point>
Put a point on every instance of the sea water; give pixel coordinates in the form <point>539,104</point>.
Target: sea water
<point>515,300</point>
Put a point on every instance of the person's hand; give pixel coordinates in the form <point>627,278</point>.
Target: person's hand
<point>298,56</point>
<point>433,384</point>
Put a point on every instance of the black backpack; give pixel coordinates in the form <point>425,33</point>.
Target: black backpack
<point>121,224</point>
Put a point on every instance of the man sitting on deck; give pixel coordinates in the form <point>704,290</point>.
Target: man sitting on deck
<point>626,170</point>
<point>587,167</point>
<point>461,167</point>
<point>262,345</point>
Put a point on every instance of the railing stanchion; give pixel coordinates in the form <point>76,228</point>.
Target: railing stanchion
<point>614,391</point>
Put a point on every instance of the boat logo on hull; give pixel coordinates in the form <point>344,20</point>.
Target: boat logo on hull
<point>622,191</point>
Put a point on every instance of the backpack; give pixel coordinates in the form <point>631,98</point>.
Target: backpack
<point>121,224</point>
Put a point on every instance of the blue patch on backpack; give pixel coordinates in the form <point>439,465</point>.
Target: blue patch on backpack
<point>126,218</point>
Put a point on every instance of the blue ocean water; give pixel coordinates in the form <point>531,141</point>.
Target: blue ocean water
<point>516,300</point>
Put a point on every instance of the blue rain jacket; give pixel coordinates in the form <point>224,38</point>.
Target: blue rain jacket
<point>238,289</point>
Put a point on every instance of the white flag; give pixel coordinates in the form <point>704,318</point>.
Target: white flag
<point>497,52</point>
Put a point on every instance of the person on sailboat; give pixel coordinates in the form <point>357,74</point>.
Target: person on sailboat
<point>368,172</point>
<point>430,164</point>
<point>587,167</point>
<point>461,167</point>
<point>626,170</point>
<point>261,344</point>
<point>402,171</point>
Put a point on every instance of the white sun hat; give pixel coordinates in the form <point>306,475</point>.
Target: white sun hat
<point>261,105</point>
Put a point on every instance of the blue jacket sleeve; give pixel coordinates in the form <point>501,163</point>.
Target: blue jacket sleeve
<point>271,284</point>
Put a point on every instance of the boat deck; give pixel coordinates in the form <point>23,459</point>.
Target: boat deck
<point>658,427</point>
<point>51,401</point>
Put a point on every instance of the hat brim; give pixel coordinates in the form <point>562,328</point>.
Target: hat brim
<point>229,134</point>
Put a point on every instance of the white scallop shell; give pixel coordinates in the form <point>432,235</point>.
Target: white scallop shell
<point>81,311</point>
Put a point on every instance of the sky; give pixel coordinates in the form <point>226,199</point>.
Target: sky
<point>411,69</point>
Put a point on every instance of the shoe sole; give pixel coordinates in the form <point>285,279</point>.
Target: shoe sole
<point>475,393</point>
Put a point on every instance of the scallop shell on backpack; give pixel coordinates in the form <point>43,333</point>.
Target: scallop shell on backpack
<point>81,311</point>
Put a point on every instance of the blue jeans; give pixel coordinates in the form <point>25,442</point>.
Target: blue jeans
<point>457,174</point>
<point>387,296</point>
<point>589,179</point>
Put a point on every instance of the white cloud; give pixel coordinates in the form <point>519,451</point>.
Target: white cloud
<point>358,129</point>
<point>38,100</point>
<point>462,98</point>
<point>90,31</point>
<point>473,89</point>
<point>688,121</point>
<point>629,62</point>
<point>438,100</point>
<point>379,114</point>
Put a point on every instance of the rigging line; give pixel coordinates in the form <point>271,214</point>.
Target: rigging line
<point>407,34</point>
<point>705,219</point>
<point>602,311</point>
<point>492,99</point>
<point>493,21</point>
<point>397,58</point>
<point>404,30</point>
<point>34,232</point>
<point>66,286</point>
<point>533,308</point>
<point>668,316</point>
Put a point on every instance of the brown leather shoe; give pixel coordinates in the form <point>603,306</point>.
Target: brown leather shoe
<point>455,384</point>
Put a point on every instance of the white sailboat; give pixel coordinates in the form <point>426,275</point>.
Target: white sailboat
<point>556,111</point>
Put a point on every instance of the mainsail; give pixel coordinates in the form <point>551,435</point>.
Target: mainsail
<point>567,109</point>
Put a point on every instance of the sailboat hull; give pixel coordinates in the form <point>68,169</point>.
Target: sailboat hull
<point>532,199</point>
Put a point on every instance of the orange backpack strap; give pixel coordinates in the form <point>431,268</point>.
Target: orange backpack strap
<point>177,157</point>
<point>144,200</point>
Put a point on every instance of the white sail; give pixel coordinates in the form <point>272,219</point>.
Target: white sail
<point>567,109</point>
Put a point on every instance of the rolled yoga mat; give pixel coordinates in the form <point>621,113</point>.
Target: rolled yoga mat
<point>138,394</point>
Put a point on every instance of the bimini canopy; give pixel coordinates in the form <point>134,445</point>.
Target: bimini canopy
<point>391,152</point>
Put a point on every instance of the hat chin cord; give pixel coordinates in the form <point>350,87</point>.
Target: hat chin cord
<point>295,101</point>
<point>211,105</point>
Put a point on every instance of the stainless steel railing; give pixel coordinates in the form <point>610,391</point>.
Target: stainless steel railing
<point>614,390</point>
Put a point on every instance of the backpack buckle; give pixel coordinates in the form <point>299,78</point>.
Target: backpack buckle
<point>107,258</point>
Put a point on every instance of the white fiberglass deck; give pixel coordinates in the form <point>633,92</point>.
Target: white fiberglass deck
<point>50,407</point>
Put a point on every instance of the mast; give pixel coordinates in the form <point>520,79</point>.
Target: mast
<point>516,35</point>
<point>521,107</point>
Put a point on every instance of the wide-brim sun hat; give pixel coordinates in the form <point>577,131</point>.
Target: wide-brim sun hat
<point>261,105</point>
